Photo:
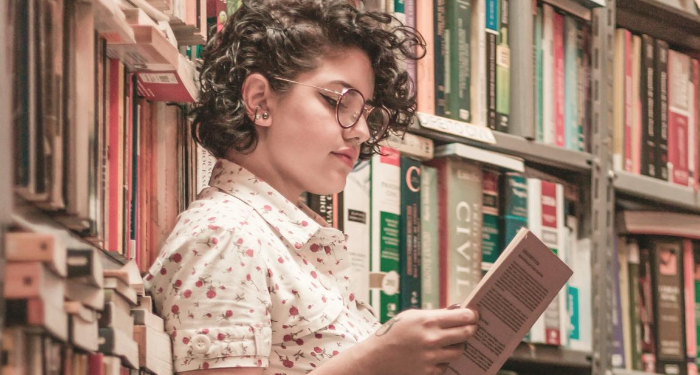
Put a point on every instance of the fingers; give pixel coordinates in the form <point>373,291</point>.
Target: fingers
<point>457,335</point>
<point>450,353</point>
<point>456,317</point>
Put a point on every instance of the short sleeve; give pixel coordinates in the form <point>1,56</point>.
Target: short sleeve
<point>210,287</point>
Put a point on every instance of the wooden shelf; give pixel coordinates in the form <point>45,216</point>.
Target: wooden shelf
<point>650,17</point>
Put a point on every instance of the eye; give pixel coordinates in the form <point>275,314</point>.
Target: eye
<point>331,102</point>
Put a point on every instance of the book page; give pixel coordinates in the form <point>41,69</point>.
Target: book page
<point>510,297</point>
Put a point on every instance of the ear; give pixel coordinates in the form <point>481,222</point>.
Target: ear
<point>257,95</point>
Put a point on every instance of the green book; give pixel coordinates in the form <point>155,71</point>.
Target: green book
<point>410,245</point>
<point>458,58</point>
<point>503,71</point>
<point>491,234</point>
<point>430,240</point>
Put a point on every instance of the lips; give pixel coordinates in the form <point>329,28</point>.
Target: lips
<point>347,156</point>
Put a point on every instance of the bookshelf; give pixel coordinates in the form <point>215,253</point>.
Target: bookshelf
<point>601,187</point>
<point>658,192</point>
<point>534,152</point>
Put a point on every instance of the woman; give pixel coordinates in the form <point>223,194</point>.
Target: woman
<point>293,93</point>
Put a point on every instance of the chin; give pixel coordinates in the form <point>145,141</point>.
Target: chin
<point>330,186</point>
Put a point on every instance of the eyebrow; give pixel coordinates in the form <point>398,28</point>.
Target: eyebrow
<point>346,85</point>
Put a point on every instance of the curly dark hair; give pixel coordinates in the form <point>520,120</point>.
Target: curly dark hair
<point>284,38</point>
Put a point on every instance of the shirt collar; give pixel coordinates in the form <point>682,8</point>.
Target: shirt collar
<point>292,222</point>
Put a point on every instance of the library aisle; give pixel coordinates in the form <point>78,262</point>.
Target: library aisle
<point>577,119</point>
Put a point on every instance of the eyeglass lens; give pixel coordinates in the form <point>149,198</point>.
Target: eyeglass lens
<point>351,107</point>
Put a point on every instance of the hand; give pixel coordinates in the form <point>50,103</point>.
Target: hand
<point>420,342</point>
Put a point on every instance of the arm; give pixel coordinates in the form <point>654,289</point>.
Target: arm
<point>226,371</point>
<point>420,342</point>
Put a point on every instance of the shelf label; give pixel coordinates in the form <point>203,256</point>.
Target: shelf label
<point>458,128</point>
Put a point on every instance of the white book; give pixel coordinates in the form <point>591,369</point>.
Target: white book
<point>563,251</point>
<point>484,156</point>
<point>549,131</point>
<point>534,221</point>
<point>386,211</point>
<point>412,145</point>
<point>478,62</point>
<point>356,224</point>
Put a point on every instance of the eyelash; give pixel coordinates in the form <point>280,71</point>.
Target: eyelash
<point>331,102</point>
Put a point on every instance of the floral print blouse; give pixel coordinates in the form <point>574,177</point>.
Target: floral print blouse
<point>249,279</point>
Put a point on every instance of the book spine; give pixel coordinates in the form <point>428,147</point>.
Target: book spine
<point>410,237</point>
<point>441,58</point>
<point>558,84</point>
<point>624,297</point>
<point>646,92</point>
<point>515,214</point>
<point>491,41</point>
<point>538,50</point>
<point>548,133</point>
<point>385,224</point>
<point>458,14</point>
<point>534,222</point>
<point>550,236</point>
<point>637,98</point>
<point>661,108</point>
<point>620,351</point>
<point>694,141</point>
<point>646,309</point>
<point>679,76</point>
<point>692,124</point>
<point>571,83</point>
<point>629,101</point>
<point>430,241</point>
<point>691,344</point>
<point>635,302</point>
<point>619,99</point>
<point>503,70</point>
<point>425,67</point>
<point>478,89</point>
<point>356,220</point>
<point>667,283</point>
<point>461,216</point>
<point>491,245</point>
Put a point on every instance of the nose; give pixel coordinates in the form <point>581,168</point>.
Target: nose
<point>360,130</point>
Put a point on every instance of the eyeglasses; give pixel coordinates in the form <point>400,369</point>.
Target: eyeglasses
<point>349,105</point>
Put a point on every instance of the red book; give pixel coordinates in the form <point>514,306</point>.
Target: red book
<point>679,75</point>
<point>695,132</point>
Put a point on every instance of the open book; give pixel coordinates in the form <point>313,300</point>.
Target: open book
<point>510,297</point>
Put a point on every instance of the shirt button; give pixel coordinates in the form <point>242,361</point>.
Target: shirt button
<point>201,344</point>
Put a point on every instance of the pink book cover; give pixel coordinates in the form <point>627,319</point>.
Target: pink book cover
<point>629,103</point>
<point>696,123</point>
<point>679,73</point>
<point>559,87</point>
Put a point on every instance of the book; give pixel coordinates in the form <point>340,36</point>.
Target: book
<point>410,234</point>
<point>356,220</point>
<point>41,247</point>
<point>82,325</point>
<point>509,298</point>
<point>430,241</point>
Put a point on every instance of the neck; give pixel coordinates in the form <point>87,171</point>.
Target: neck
<point>256,164</point>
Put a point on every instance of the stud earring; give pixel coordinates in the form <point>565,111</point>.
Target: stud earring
<point>265,115</point>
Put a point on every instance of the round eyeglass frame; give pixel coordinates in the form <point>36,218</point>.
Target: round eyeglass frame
<point>366,109</point>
